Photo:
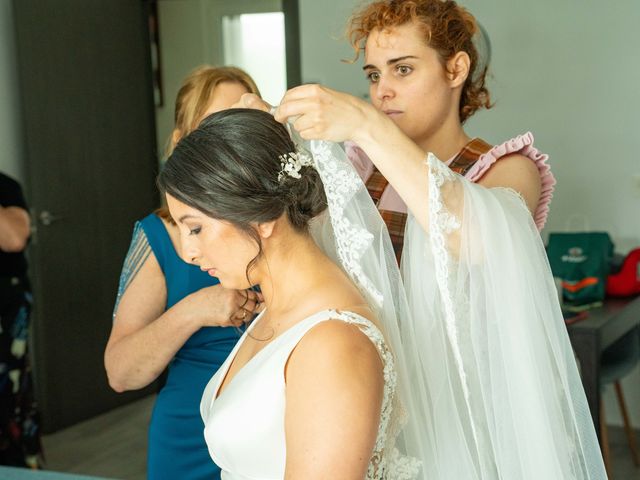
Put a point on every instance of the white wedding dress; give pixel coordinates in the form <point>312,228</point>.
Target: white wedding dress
<point>244,425</point>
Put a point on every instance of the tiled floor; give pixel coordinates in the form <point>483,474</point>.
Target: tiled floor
<point>114,445</point>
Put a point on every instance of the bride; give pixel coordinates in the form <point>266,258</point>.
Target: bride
<point>308,391</point>
<point>464,371</point>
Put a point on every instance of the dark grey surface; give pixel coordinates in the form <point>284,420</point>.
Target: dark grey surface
<point>89,139</point>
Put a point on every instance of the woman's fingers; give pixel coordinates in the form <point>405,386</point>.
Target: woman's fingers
<point>238,318</point>
<point>310,90</point>
<point>249,301</point>
<point>303,100</point>
<point>250,306</point>
<point>296,107</point>
<point>319,113</point>
<point>245,304</point>
<point>307,116</point>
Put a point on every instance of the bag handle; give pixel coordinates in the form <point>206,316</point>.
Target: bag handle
<point>577,216</point>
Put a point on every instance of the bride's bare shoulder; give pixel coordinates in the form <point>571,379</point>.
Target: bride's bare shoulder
<point>336,346</point>
<point>334,395</point>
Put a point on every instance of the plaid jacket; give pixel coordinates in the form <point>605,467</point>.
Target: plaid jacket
<point>397,221</point>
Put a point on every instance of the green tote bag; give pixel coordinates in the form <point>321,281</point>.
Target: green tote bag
<point>581,261</point>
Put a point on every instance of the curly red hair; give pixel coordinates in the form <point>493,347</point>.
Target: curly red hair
<point>448,29</point>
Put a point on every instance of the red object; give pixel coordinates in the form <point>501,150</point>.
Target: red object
<point>627,281</point>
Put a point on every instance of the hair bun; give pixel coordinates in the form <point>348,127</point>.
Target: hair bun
<point>304,197</point>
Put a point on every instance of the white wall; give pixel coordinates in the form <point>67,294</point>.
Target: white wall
<point>560,69</point>
<point>182,48</point>
<point>11,151</point>
<point>564,72</point>
<point>323,46</point>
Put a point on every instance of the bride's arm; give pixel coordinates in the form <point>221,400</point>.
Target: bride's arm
<point>334,391</point>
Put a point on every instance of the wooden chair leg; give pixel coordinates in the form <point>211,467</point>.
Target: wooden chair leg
<point>604,441</point>
<point>628,429</point>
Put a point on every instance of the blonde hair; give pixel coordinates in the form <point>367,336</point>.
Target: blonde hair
<point>194,96</point>
<point>196,93</point>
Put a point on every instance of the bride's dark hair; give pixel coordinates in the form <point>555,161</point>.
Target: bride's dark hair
<point>228,169</point>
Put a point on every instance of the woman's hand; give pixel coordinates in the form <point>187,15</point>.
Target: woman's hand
<point>319,113</point>
<point>221,307</point>
<point>144,337</point>
<point>251,100</point>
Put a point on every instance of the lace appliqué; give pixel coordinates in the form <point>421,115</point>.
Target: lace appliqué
<point>351,241</point>
<point>518,196</point>
<point>387,463</point>
<point>441,224</point>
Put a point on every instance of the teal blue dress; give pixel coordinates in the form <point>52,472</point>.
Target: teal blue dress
<point>176,448</point>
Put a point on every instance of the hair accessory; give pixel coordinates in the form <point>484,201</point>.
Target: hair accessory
<point>292,163</point>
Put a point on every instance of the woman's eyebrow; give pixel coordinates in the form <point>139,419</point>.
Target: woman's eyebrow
<point>390,61</point>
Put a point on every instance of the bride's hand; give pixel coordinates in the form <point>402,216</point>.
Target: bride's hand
<point>251,100</point>
<point>319,113</point>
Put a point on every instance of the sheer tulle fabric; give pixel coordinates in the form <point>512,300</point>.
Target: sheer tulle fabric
<point>487,383</point>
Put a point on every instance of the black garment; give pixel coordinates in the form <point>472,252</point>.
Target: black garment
<point>19,421</point>
<point>12,264</point>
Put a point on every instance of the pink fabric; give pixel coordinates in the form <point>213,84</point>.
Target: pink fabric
<point>359,160</point>
<point>390,199</point>
<point>522,144</point>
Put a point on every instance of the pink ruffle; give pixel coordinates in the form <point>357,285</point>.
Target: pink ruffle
<point>522,144</point>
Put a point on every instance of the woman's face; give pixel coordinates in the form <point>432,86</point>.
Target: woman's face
<point>407,81</point>
<point>216,246</point>
<point>224,96</point>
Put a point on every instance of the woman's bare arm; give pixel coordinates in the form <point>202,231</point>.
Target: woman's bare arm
<point>15,228</point>
<point>144,338</point>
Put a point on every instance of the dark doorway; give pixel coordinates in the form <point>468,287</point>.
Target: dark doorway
<point>89,138</point>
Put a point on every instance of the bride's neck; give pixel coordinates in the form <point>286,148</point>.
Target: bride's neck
<point>288,270</point>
